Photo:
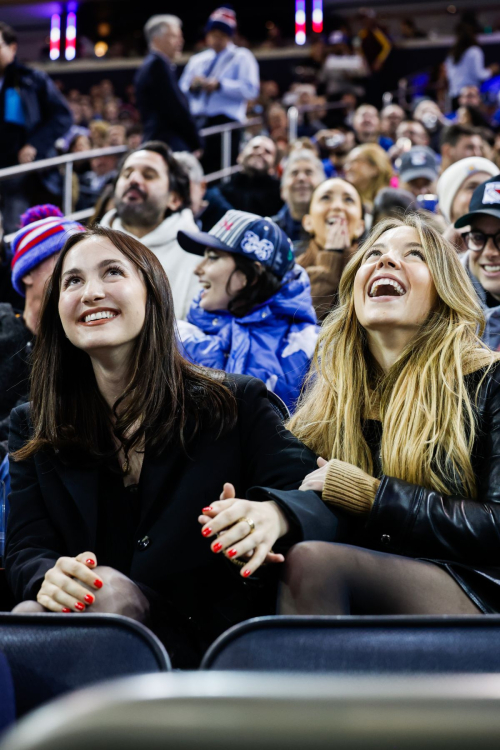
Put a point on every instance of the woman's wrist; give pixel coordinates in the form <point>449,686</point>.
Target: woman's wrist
<point>284,525</point>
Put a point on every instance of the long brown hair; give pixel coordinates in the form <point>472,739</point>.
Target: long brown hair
<point>427,411</point>
<point>166,397</point>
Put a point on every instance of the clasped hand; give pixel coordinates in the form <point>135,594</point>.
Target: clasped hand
<point>316,479</point>
<point>233,536</point>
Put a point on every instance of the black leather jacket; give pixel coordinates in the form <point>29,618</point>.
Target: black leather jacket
<point>455,532</point>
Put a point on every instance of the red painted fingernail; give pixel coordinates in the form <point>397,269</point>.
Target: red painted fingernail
<point>89,598</point>
<point>66,609</point>
<point>79,606</point>
<point>98,583</point>
<point>90,562</point>
<point>207,509</point>
<point>232,553</point>
<point>217,547</point>
<point>207,531</point>
<point>246,573</point>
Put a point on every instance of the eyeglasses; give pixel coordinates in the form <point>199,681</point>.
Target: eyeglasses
<point>476,241</point>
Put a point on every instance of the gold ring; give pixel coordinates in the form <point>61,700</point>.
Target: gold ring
<point>250,523</point>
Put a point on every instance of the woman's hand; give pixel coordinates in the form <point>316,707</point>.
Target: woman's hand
<point>337,236</point>
<point>236,539</point>
<point>62,589</point>
<point>316,479</point>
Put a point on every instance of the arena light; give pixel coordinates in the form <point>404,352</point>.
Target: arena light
<point>317,16</point>
<point>70,49</point>
<point>300,21</point>
<point>55,37</point>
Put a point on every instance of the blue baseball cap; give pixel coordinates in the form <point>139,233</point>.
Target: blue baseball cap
<point>258,239</point>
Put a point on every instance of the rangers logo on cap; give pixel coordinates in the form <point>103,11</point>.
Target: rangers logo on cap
<point>418,159</point>
<point>262,249</point>
<point>491,192</point>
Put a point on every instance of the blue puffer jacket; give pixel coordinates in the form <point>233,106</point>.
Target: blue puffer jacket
<point>274,342</point>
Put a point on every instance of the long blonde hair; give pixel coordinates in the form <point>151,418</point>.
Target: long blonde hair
<point>428,415</point>
<point>378,158</point>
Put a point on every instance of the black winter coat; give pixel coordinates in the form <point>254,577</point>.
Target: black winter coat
<point>54,512</point>
<point>15,349</point>
<point>163,107</point>
<point>258,194</point>
<point>459,534</point>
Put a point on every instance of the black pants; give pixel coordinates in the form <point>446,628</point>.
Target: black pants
<point>212,154</point>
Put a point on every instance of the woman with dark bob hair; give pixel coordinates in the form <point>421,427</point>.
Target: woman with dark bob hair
<point>254,314</point>
<point>122,446</point>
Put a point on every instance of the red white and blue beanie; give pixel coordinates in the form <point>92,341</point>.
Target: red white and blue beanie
<point>223,19</point>
<point>38,240</point>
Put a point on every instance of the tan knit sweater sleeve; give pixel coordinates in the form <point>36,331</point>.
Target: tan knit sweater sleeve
<point>349,488</point>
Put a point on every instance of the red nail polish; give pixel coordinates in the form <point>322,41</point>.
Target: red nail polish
<point>66,609</point>
<point>89,598</point>
<point>232,553</point>
<point>90,562</point>
<point>246,573</point>
<point>207,531</point>
<point>79,606</point>
<point>207,509</point>
<point>217,547</point>
<point>98,583</point>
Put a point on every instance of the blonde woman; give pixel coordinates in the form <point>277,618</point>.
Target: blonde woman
<point>404,402</point>
<point>369,169</point>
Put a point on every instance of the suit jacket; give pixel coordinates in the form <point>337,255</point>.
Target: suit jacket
<point>163,107</point>
<point>54,512</point>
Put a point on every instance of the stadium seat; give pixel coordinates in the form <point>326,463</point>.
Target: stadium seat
<point>360,645</point>
<point>204,711</point>
<point>51,654</point>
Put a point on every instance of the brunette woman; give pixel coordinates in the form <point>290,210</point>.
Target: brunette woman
<point>335,224</point>
<point>122,446</point>
<point>403,406</point>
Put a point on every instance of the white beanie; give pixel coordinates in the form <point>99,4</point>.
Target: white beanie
<point>453,178</point>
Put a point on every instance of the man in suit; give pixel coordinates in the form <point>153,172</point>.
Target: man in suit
<point>163,107</point>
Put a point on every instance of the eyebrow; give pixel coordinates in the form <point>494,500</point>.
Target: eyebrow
<point>102,264</point>
<point>379,245</point>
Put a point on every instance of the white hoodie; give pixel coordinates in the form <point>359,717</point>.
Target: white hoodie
<point>179,265</point>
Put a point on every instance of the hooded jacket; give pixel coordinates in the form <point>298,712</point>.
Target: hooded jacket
<point>491,335</point>
<point>179,265</point>
<point>274,342</point>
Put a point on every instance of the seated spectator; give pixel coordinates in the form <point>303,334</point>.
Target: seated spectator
<point>335,225</point>
<point>91,184</point>
<point>391,203</point>
<point>409,133</point>
<point>255,189</point>
<point>470,96</point>
<point>134,136</point>
<point>254,315</point>
<point>391,118</point>
<point>99,132</point>
<point>367,126</point>
<point>302,174</point>
<point>152,204</point>
<point>418,172</point>
<point>369,169</point>
<point>459,142</point>
<point>337,143</point>
<point>35,247</point>
<point>411,416</point>
<point>482,260</point>
<point>428,113</point>
<point>457,184</point>
<point>137,442</point>
<point>117,136</point>
<point>208,206</point>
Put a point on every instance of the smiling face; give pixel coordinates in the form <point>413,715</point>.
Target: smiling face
<point>259,156</point>
<point>299,182</point>
<point>485,265</point>
<point>461,201</point>
<point>102,300</point>
<point>334,199</point>
<point>393,288</point>
<point>219,279</point>
<point>366,123</point>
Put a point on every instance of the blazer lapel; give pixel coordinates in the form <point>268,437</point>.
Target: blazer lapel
<point>159,476</point>
<point>83,486</point>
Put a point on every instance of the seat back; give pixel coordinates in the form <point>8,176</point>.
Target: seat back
<point>51,654</point>
<point>279,406</point>
<point>360,645</point>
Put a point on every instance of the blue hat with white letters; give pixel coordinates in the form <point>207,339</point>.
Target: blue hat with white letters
<point>256,238</point>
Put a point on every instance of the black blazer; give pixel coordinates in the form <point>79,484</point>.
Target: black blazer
<point>54,512</point>
<point>163,107</point>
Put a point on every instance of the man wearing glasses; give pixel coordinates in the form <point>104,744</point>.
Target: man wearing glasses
<point>482,260</point>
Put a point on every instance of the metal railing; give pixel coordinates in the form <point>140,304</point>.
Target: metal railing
<point>67,160</point>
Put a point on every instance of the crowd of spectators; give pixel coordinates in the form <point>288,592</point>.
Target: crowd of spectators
<point>372,239</point>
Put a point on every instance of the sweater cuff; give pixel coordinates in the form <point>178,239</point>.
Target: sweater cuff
<point>349,488</point>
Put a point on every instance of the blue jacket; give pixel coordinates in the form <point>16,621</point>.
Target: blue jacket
<point>274,342</point>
